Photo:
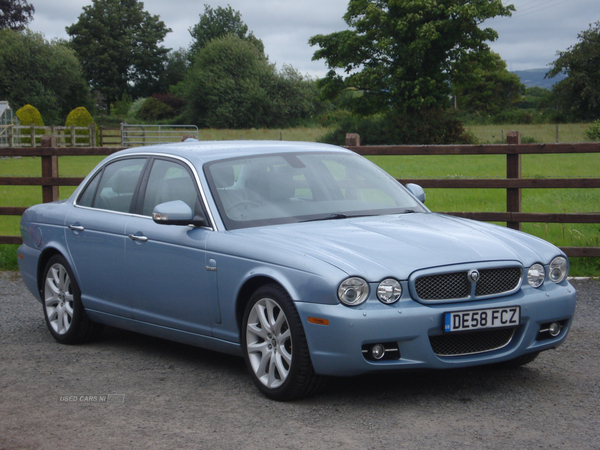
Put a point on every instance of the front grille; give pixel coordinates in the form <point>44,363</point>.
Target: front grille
<point>495,281</point>
<point>471,342</point>
<point>456,285</point>
<point>443,287</point>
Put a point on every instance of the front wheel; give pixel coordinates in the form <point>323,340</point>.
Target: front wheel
<point>275,347</point>
<point>65,317</point>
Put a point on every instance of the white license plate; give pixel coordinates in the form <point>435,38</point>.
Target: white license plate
<point>482,318</point>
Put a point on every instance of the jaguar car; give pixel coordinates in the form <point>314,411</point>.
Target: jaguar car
<point>305,259</point>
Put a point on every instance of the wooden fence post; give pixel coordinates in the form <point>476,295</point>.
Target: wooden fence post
<point>353,140</point>
<point>513,170</point>
<point>32,134</point>
<point>73,135</point>
<point>49,170</point>
<point>92,130</point>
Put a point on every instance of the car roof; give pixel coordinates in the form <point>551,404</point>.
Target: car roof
<point>205,151</point>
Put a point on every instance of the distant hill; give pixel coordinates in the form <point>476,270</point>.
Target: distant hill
<point>535,77</point>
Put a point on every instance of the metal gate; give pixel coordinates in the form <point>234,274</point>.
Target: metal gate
<point>136,135</point>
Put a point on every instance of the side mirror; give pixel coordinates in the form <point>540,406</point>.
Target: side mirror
<point>417,191</point>
<point>176,212</point>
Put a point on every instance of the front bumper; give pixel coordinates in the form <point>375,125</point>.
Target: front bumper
<point>336,348</point>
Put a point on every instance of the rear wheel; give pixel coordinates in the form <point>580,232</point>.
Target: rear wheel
<point>275,347</point>
<point>65,317</point>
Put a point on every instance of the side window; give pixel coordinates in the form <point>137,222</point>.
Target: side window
<point>114,187</point>
<point>87,196</point>
<point>169,181</point>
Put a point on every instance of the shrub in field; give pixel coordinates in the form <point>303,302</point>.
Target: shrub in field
<point>121,107</point>
<point>30,115</point>
<point>80,117</point>
<point>428,127</point>
<point>154,110</point>
<point>136,106</point>
<point>593,132</point>
<point>173,101</point>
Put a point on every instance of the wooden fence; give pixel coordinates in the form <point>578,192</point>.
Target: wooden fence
<point>513,183</point>
<point>31,136</point>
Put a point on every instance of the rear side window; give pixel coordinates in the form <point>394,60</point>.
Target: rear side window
<point>112,189</point>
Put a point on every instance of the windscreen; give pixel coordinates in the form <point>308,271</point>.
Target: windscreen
<point>287,188</point>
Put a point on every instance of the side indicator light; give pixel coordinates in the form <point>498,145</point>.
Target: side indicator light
<point>20,256</point>
<point>318,321</point>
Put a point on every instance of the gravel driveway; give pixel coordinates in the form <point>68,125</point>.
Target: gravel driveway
<point>128,391</point>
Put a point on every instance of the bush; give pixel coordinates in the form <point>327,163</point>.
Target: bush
<point>121,107</point>
<point>80,117</point>
<point>30,115</point>
<point>593,132</point>
<point>435,127</point>
<point>173,101</point>
<point>154,110</point>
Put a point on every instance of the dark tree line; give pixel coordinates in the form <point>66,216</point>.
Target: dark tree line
<point>15,14</point>
<point>400,64</point>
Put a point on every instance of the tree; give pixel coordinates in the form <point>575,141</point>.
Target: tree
<point>485,86</point>
<point>402,54</point>
<point>579,92</point>
<point>118,45</point>
<point>216,23</point>
<point>224,86</point>
<point>45,74</point>
<point>232,85</point>
<point>15,14</point>
<point>174,70</point>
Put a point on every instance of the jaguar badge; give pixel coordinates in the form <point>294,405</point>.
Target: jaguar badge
<point>473,276</point>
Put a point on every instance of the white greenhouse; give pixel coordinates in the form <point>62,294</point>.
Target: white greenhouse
<point>7,119</point>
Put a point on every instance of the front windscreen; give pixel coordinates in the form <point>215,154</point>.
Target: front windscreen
<point>287,188</point>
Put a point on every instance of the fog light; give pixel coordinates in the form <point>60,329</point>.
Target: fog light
<point>378,351</point>
<point>554,329</point>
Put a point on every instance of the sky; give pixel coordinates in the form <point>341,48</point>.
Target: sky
<point>527,40</point>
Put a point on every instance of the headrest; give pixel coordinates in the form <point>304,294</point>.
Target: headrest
<point>222,175</point>
<point>124,181</point>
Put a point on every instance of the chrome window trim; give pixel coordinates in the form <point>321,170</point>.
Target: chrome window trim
<point>210,217</point>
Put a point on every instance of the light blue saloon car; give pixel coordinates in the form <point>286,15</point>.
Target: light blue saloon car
<point>306,259</point>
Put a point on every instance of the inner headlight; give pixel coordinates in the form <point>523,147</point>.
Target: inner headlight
<point>389,291</point>
<point>559,268</point>
<point>353,291</point>
<point>536,275</point>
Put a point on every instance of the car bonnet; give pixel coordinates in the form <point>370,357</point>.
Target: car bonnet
<point>378,247</point>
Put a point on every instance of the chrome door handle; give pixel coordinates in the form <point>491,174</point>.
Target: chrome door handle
<point>133,237</point>
<point>76,228</point>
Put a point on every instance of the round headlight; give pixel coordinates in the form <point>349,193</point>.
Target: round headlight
<point>558,269</point>
<point>353,291</point>
<point>536,275</point>
<point>389,291</point>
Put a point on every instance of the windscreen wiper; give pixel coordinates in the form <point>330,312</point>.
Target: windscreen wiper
<point>334,216</point>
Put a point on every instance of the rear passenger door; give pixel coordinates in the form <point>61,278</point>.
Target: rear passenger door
<point>95,235</point>
<point>169,284</point>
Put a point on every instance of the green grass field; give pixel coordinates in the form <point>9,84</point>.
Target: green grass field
<point>480,166</point>
<point>542,133</point>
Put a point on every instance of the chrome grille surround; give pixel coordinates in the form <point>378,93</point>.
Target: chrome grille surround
<point>451,284</point>
<point>472,342</point>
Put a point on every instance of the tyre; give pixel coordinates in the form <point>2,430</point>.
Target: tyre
<point>65,317</point>
<point>275,347</point>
